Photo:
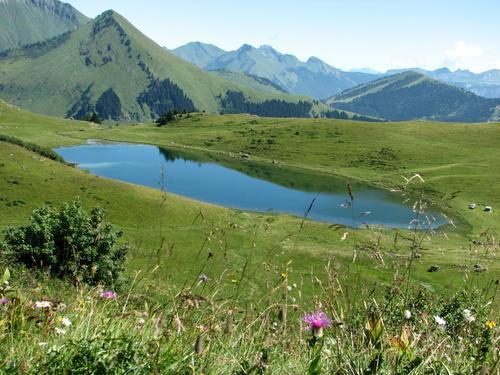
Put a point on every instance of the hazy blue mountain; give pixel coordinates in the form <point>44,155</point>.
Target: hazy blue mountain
<point>30,21</point>
<point>251,81</point>
<point>200,54</point>
<point>486,84</point>
<point>314,77</point>
<point>365,70</point>
<point>411,95</point>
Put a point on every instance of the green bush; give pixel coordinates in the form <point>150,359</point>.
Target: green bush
<point>68,243</point>
<point>42,151</point>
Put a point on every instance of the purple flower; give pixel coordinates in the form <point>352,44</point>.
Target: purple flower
<point>108,294</point>
<point>317,321</point>
<point>4,301</point>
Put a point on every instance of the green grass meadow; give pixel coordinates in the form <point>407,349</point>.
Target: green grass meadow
<point>255,262</point>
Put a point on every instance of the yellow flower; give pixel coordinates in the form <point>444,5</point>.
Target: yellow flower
<point>491,324</point>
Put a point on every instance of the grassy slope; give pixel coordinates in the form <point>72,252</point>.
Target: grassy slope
<point>265,243</point>
<point>22,23</point>
<point>412,96</point>
<point>51,83</point>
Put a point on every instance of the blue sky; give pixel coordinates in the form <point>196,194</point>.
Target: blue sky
<point>380,34</point>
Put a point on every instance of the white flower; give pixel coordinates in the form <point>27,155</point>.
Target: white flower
<point>407,314</point>
<point>440,321</point>
<point>60,331</point>
<point>289,288</point>
<point>468,317</point>
<point>141,322</point>
<point>66,322</point>
<point>43,305</point>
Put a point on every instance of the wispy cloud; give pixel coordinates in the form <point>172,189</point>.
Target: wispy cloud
<point>464,50</point>
<point>467,55</point>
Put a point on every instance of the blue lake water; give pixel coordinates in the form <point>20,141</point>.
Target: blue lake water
<point>212,182</point>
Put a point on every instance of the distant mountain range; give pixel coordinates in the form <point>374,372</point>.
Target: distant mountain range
<point>411,95</point>
<point>313,78</point>
<point>316,78</point>
<point>30,21</point>
<point>486,84</point>
<point>109,67</point>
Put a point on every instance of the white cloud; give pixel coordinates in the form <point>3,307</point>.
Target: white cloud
<point>463,50</point>
<point>470,56</point>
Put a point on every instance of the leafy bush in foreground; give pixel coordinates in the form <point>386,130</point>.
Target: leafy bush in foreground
<point>69,243</point>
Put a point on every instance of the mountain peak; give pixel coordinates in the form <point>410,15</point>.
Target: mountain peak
<point>110,13</point>
<point>268,48</point>
<point>443,70</point>
<point>314,59</point>
<point>411,95</point>
<point>245,48</point>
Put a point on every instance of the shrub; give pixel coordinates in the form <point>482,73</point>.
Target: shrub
<point>42,151</point>
<point>68,243</point>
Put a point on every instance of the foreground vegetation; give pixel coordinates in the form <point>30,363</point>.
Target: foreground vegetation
<point>193,331</point>
<point>214,290</point>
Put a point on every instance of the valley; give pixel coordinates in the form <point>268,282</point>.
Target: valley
<point>244,206</point>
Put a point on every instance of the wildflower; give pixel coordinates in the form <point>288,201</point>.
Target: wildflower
<point>468,317</point>
<point>4,301</point>
<point>60,331</point>
<point>108,294</point>
<point>141,322</point>
<point>203,278</point>
<point>440,321</point>
<point>407,314</point>
<point>289,288</point>
<point>317,321</point>
<point>66,322</point>
<point>491,324</point>
<point>43,305</point>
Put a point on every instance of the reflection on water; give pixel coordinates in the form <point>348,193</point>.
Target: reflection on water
<point>244,185</point>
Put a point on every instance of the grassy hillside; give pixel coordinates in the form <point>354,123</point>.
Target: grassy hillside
<point>264,271</point>
<point>70,75</point>
<point>450,157</point>
<point>29,21</point>
<point>26,176</point>
<point>410,96</point>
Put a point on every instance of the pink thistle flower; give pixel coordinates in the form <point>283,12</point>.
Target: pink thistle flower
<point>4,301</point>
<point>108,294</point>
<point>317,322</point>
